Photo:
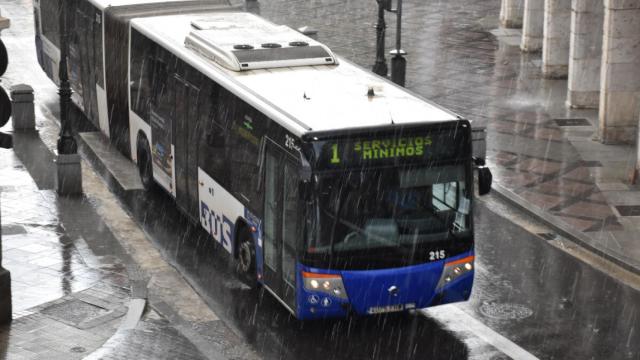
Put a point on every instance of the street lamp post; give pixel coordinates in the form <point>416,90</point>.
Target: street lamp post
<point>380,67</point>
<point>398,61</point>
<point>69,174</point>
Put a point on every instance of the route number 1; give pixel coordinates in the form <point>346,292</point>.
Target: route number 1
<point>335,159</point>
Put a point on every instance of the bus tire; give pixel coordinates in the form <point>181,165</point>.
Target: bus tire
<point>246,258</point>
<point>144,163</point>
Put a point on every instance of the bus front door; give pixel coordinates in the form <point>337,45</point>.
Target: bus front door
<point>281,224</point>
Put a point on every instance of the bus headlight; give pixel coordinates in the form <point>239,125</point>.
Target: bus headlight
<point>329,284</point>
<point>455,269</point>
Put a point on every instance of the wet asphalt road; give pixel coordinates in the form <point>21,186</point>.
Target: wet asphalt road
<point>544,300</point>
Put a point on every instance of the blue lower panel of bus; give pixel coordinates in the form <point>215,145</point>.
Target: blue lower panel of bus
<point>380,291</point>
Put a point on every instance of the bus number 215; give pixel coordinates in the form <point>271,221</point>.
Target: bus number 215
<point>437,255</point>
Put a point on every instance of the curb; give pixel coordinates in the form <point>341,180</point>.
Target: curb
<point>565,230</point>
<point>137,304</point>
<point>144,290</point>
<point>209,349</point>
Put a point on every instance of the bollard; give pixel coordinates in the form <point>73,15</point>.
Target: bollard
<point>69,175</point>
<point>23,116</point>
<point>398,67</point>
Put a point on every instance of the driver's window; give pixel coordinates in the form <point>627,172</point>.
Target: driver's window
<point>445,196</point>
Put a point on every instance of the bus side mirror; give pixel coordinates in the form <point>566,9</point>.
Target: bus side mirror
<point>484,180</point>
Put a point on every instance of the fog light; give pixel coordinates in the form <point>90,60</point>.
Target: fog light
<point>454,270</point>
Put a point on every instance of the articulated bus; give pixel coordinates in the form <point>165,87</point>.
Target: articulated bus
<point>98,30</point>
<point>332,188</point>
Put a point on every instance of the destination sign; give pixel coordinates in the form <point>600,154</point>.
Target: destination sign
<point>392,150</point>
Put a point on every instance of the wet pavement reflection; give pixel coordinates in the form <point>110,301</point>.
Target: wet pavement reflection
<point>542,299</point>
<point>539,297</point>
<point>263,322</point>
<point>69,283</point>
<point>538,149</point>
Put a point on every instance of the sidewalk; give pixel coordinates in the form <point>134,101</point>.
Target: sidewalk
<point>69,284</point>
<point>72,281</point>
<point>86,280</point>
<point>541,153</point>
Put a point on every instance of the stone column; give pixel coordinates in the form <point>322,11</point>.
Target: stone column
<point>585,55</point>
<point>555,43</point>
<point>511,13</point>
<point>620,76</point>
<point>532,25</point>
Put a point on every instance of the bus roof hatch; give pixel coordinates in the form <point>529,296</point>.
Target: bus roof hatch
<point>242,41</point>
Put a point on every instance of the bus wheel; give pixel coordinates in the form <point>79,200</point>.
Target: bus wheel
<point>144,164</point>
<point>246,259</point>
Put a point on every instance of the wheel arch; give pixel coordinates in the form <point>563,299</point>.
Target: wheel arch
<point>141,135</point>
<point>240,226</point>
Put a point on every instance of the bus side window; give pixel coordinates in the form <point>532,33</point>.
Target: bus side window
<point>50,22</point>
<point>97,46</point>
<point>142,51</point>
<point>246,131</point>
<point>213,139</point>
<point>159,82</point>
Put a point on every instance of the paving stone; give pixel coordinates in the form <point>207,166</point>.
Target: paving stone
<point>153,338</point>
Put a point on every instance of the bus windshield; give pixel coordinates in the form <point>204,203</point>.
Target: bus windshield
<point>364,209</point>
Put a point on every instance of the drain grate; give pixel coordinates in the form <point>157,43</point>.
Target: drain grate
<point>75,312</point>
<point>505,311</point>
<point>628,210</point>
<point>572,122</point>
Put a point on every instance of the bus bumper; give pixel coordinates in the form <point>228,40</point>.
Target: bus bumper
<point>382,291</point>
